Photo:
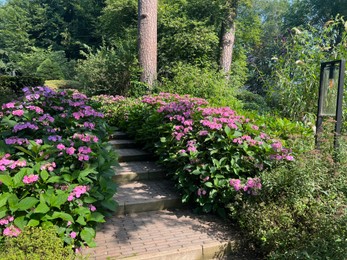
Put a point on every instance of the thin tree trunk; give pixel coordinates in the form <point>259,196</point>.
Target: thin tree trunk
<point>147,40</point>
<point>228,39</point>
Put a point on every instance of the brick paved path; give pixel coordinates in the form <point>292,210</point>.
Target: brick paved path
<point>151,223</point>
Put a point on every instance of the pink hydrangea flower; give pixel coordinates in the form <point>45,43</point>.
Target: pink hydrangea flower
<point>11,231</point>
<point>61,147</point>
<point>70,150</point>
<point>18,112</point>
<point>92,207</point>
<point>236,184</point>
<point>30,179</point>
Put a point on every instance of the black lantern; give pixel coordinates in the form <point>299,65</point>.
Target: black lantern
<point>330,97</point>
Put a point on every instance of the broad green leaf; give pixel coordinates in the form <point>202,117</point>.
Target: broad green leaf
<point>57,201</point>
<point>110,204</point>
<point>25,151</point>
<point>20,222</point>
<point>97,217</point>
<point>13,202</point>
<point>27,203</point>
<point>42,208</point>
<point>237,134</point>
<point>63,216</point>
<point>3,213</point>
<point>3,198</point>
<point>88,234</point>
<point>207,208</point>
<point>54,179</point>
<point>7,180</point>
<point>47,224</point>
<point>44,175</point>
<point>81,221</point>
<point>208,184</point>
<point>89,200</point>
<point>33,223</point>
<point>82,211</point>
<point>227,130</point>
<point>67,177</point>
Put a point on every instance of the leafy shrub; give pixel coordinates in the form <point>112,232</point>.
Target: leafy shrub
<point>301,211</point>
<point>111,70</point>
<point>49,70</point>
<point>205,83</point>
<point>214,153</point>
<point>63,84</point>
<point>35,243</point>
<point>55,165</point>
<point>294,83</point>
<point>16,83</point>
<point>47,64</point>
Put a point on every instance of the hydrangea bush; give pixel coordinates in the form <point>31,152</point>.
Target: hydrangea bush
<point>55,165</point>
<point>214,153</point>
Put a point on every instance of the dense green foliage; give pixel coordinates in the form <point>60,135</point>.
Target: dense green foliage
<point>205,147</point>
<point>35,243</point>
<point>294,82</point>
<point>11,86</point>
<point>55,165</point>
<point>301,211</point>
<point>298,212</point>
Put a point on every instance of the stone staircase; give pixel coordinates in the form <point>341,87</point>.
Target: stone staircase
<point>151,222</point>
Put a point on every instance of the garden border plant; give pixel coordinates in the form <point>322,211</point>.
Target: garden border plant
<point>55,165</point>
<point>213,152</point>
<point>226,163</point>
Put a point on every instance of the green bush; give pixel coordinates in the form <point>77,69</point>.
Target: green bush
<point>55,165</point>
<point>293,85</point>
<point>205,83</point>
<point>35,243</point>
<point>46,63</point>
<point>111,70</point>
<point>301,211</point>
<point>49,69</point>
<point>205,147</point>
<point>11,86</point>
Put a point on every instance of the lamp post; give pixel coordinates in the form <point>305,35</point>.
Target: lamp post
<point>330,97</point>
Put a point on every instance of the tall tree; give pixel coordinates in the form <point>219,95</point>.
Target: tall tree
<point>147,40</point>
<point>228,36</point>
<point>14,37</point>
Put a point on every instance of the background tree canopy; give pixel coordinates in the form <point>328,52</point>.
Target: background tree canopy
<point>78,39</point>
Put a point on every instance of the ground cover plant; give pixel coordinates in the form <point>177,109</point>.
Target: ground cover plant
<point>55,165</point>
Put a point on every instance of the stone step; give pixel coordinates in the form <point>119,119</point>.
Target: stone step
<point>167,235</point>
<point>136,171</point>
<point>146,196</point>
<point>131,155</point>
<point>119,135</point>
<point>123,143</point>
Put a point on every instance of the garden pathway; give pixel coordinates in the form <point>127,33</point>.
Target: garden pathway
<point>152,224</point>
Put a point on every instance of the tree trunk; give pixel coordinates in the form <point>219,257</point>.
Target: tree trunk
<point>147,40</point>
<point>228,38</point>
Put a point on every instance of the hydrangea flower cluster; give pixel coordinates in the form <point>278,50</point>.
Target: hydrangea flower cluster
<point>197,140</point>
<point>7,164</point>
<point>10,230</point>
<point>251,187</point>
<point>53,138</point>
<point>30,179</point>
<point>77,192</point>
